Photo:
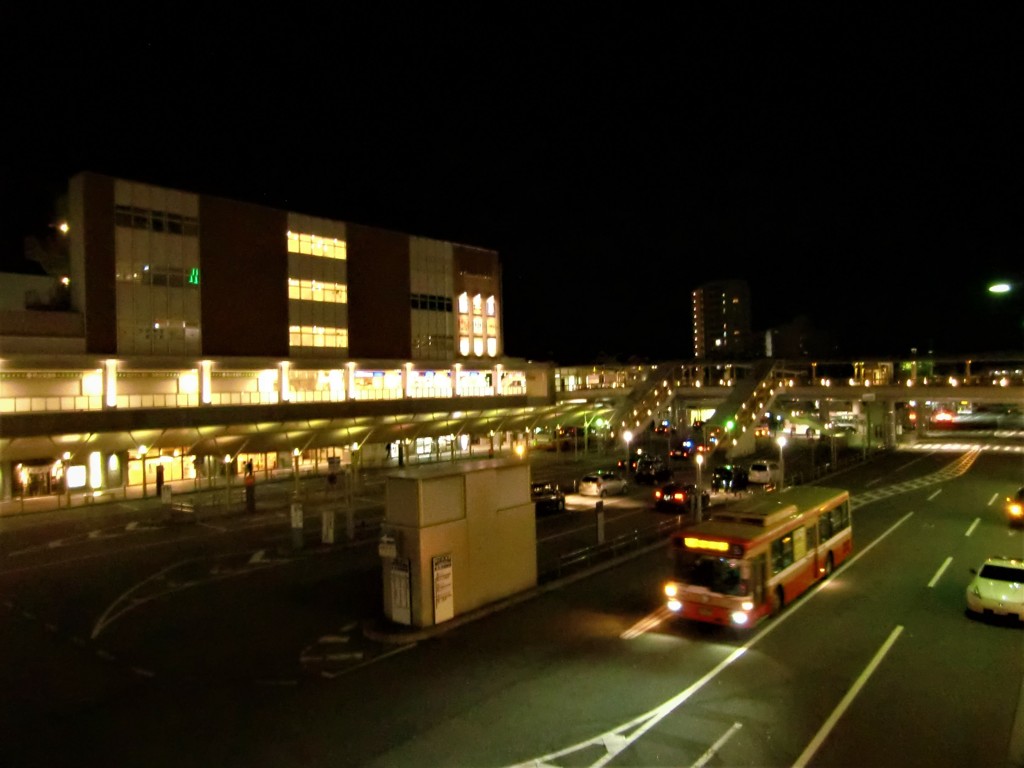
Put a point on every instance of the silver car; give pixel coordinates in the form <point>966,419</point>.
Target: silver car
<point>602,483</point>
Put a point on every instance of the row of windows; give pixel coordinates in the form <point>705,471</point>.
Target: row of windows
<point>317,336</point>
<point>155,221</point>
<point>478,346</point>
<point>433,303</point>
<point>833,522</point>
<point>314,245</point>
<point>478,303</point>
<point>477,326</point>
<point>789,548</point>
<point>315,290</point>
<point>169,277</point>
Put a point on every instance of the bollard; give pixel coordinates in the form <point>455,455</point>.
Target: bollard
<point>296,524</point>
<point>327,528</point>
<point>599,508</point>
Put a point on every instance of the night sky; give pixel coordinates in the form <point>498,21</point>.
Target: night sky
<point>862,170</point>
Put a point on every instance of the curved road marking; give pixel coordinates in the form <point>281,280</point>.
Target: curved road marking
<point>619,738</point>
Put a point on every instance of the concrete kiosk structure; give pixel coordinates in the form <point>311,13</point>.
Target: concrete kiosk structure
<point>455,538</point>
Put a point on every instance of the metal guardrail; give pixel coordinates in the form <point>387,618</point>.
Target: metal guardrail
<point>586,557</point>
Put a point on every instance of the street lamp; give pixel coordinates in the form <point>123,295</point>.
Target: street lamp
<point>782,462</point>
<point>295,469</point>
<point>628,437</point>
<point>700,490</point>
<point>143,450</point>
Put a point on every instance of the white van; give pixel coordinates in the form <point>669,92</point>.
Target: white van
<point>765,473</point>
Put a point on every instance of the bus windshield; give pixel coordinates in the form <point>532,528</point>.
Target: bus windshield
<point>723,575</point>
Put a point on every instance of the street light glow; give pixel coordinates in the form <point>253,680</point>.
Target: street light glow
<point>999,288</point>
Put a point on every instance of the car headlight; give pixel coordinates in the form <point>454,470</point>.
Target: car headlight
<point>975,591</point>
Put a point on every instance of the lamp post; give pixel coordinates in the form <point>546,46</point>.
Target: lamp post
<point>143,450</point>
<point>628,437</point>
<point>699,512</point>
<point>782,462</point>
<point>295,469</point>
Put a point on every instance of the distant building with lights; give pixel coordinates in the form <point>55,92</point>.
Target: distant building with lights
<point>721,321</point>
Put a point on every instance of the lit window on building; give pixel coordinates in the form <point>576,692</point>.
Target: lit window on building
<point>317,290</point>
<point>463,303</point>
<point>463,345</point>
<point>478,347</point>
<point>491,306</point>
<point>492,347</point>
<point>477,304</point>
<point>317,336</point>
<point>314,245</point>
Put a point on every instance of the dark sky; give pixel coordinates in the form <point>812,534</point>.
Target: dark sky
<point>861,169</point>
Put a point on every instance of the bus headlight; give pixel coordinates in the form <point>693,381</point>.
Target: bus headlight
<point>739,617</point>
<point>747,605</point>
<point>670,590</point>
<point>675,605</point>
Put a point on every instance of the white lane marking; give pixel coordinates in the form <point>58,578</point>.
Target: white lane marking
<point>932,496</point>
<point>973,525</point>
<point>825,729</point>
<point>992,501</point>
<point>624,735</point>
<point>939,572</point>
<point>713,749</point>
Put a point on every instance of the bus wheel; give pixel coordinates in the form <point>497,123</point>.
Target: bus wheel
<point>828,565</point>
<point>779,602</point>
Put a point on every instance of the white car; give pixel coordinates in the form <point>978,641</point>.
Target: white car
<point>997,588</point>
<point>764,473</point>
<point>602,483</point>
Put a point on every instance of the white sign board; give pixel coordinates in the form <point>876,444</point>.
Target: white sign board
<point>401,604</point>
<point>387,547</point>
<point>444,593</point>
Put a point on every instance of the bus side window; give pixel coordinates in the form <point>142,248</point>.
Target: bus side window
<point>812,537</point>
<point>825,527</point>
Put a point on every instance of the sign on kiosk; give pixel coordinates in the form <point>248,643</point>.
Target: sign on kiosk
<point>444,593</point>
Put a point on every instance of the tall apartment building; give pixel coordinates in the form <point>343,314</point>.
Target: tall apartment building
<point>721,320</point>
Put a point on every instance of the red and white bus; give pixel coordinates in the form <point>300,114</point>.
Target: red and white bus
<point>756,555</point>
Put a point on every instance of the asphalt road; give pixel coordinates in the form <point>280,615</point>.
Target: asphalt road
<point>222,644</point>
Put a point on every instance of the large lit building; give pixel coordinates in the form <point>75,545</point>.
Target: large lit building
<point>189,332</point>
<point>157,271</point>
<point>721,321</point>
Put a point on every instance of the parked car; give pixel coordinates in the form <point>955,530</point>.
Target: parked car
<point>1015,507</point>
<point>547,498</point>
<point>729,478</point>
<point>602,483</point>
<point>764,472</point>
<point>679,498</point>
<point>681,450</point>
<point>997,588</point>
<point>651,470</point>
